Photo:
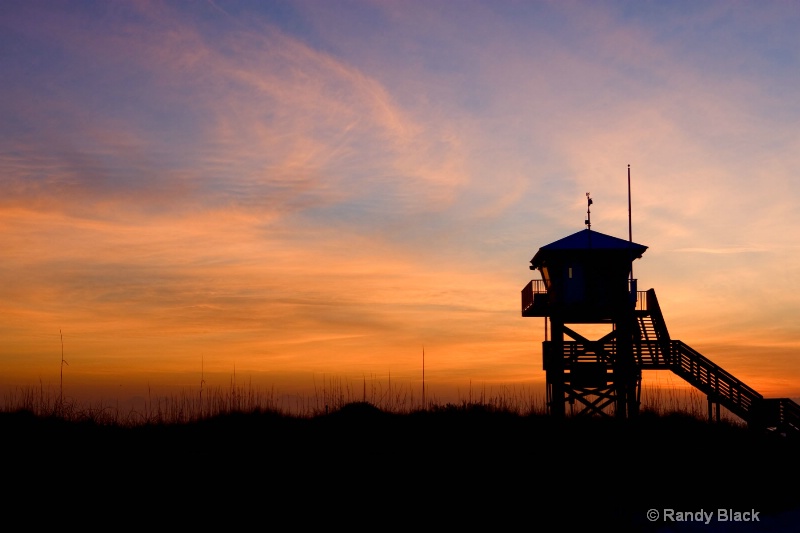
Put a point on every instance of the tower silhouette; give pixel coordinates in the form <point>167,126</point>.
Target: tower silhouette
<point>586,279</point>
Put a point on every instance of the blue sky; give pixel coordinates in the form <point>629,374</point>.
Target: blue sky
<point>295,189</point>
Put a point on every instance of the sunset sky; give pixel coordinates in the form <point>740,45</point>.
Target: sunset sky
<point>290,192</point>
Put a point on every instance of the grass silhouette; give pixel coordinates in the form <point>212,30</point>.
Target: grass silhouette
<point>190,406</point>
<point>495,460</point>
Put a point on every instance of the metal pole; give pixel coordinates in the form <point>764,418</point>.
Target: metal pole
<point>630,226</point>
<point>630,230</point>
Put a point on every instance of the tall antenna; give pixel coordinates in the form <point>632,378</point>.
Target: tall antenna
<point>630,231</point>
<point>588,212</point>
<point>632,283</point>
<point>423,378</point>
<point>61,382</point>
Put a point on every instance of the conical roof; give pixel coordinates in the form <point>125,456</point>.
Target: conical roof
<point>586,240</point>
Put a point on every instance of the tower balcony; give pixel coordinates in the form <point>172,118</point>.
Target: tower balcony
<point>537,301</point>
<point>534,299</point>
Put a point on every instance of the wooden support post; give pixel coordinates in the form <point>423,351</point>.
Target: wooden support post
<point>555,372</point>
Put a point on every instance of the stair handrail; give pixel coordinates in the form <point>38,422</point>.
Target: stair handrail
<point>655,313</point>
<point>713,380</point>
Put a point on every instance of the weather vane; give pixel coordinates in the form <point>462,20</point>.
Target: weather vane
<point>588,212</point>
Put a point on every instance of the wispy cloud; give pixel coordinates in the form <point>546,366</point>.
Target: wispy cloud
<point>327,188</point>
<point>722,250</point>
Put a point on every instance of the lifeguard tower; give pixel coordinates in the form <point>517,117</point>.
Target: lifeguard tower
<point>586,278</point>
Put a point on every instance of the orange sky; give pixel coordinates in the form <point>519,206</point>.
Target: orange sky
<point>304,191</point>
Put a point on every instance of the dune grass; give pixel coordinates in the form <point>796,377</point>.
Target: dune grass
<point>333,394</point>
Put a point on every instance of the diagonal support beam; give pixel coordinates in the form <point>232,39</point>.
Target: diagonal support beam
<point>604,398</point>
<point>577,336</point>
<point>608,337</point>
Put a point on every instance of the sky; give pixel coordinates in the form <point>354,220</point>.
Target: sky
<point>306,194</point>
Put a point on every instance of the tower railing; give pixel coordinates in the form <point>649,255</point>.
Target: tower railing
<point>641,301</point>
<point>536,286</point>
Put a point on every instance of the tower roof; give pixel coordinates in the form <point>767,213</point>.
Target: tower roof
<point>586,240</point>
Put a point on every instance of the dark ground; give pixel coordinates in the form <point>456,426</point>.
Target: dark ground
<point>361,469</point>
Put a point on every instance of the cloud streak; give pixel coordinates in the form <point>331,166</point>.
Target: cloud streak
<point>326,189</point>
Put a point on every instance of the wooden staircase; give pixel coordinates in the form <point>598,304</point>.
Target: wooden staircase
<point>655,350</point>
